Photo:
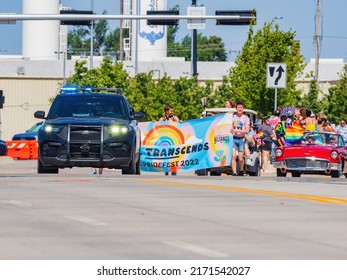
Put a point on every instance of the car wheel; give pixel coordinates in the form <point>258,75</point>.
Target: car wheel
<point>296,174</point>
<point>201,172</point>
<point>281,173</point>
<point>133,165</point>
<point>335,173</point>
<point>138,167</point>
<point>45,170</point>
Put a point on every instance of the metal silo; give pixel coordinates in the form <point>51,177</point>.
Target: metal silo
<point>40,39</point>
<point>152,39</point>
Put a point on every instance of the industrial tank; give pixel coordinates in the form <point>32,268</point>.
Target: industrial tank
<point>152,39</point>
<point>40,39</point>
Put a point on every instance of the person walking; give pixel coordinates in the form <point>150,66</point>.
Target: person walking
<point>269,134</point>
<point>240,127</point>
<point>169,117</point>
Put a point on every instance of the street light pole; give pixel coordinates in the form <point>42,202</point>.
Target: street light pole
<point>91,37</point>
<point>194,55</point>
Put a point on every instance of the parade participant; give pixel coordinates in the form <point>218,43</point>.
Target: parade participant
<point>266,147</point>
<point>342,129</point>
<point>240,127</point>
<point>230,104</point>
<point>280,131</point>
<point>170,117</point>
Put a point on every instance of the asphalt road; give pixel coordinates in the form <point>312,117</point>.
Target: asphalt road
<point>74,215</point>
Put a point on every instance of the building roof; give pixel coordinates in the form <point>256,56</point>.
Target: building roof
<point>329,69</point>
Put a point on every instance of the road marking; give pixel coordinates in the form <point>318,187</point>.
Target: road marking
<point>196,249</point>
<point>86,220</point>
<point>320,199</point>
<point>16,203</point>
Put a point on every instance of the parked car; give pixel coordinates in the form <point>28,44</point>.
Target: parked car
<point>30,134</point>
<point>318,153</point>
<point>89,128</point>
<point>252,169</point>
<point>3,148</point>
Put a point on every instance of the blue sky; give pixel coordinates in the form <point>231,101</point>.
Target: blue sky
<point>298,16</point>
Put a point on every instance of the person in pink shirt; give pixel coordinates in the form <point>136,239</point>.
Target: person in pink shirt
<point>240,127</point>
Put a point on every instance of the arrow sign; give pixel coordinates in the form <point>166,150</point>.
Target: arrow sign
<point>276,75</point>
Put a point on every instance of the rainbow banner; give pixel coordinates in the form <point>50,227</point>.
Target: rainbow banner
<point>186,146</point>
<point>294,133</point>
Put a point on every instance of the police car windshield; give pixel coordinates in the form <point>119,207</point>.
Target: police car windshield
<point>87,106</point>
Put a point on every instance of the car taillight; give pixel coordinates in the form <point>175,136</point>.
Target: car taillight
<point>279,152</point>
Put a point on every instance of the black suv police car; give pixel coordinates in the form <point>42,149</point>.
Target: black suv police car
<point>89,128</point>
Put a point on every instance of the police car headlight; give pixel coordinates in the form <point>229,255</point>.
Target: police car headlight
<point>52,128</point>
<point>119,129</point>
<point>334,154</point>
<point>48,128</point>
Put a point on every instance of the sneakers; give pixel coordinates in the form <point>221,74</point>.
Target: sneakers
<point>248,161</point>
<point>235,174</point>
<point>93,172</point>
<point>241,173</point>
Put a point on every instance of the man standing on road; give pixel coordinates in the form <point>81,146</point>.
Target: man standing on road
<point>240,127</point>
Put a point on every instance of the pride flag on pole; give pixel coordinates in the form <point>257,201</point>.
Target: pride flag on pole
<point>294,133</point>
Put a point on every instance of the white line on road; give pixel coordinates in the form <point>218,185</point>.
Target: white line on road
<point>86,220</point>
<point>16,203</point>
<point>196,249</point>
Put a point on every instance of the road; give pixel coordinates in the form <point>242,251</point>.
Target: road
<point>74,215</point>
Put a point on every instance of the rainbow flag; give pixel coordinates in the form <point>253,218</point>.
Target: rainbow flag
<point>260,135</point>
<point>294,133</point>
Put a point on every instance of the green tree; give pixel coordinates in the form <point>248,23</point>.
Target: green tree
<point>79,38</point>
<point>209,49</point>
<point>143,92</point>
<point>247,80</point>
<point>311,99</point>
<point>78,41</point>
<point>335,103</point>
<point>112,44</point>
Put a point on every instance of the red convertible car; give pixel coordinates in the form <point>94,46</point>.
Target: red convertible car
<point>318,153</point>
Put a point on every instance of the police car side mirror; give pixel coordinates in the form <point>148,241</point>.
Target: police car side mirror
<point>139,116</point>
<point>40,115</point>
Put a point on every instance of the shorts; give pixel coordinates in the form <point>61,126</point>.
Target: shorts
<point>239,144</point>
<point>267,146</point>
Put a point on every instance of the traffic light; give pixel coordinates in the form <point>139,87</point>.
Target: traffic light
<point>163,21</point>
<point>76,21</point>
<point>246,17</point>
<point>2,99</point>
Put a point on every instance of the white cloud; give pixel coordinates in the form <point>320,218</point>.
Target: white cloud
<point>193,140</point>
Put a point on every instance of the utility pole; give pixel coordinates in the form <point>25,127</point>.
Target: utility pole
<point>121,48</point>
<point>194,55</point>
<point>91,37</point>
<point>317,41</point>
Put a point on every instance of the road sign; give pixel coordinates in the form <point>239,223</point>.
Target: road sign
<point>196,23</point>
<point>276,75</point>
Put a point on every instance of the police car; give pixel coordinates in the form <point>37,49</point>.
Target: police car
<point>88,127</point>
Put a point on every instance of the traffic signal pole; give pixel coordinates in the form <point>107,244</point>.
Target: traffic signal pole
<point>194,54</point>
